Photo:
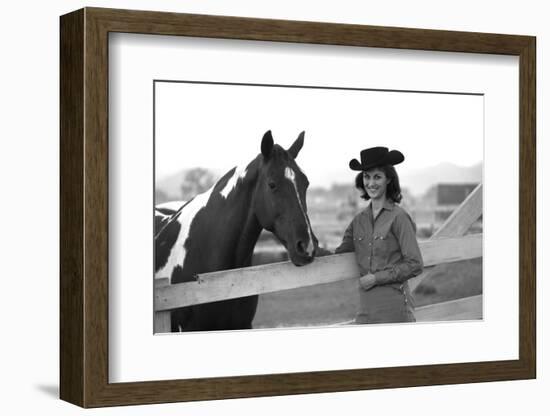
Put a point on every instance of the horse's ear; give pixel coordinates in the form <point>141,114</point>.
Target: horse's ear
<point>267,144</point>
<point>297,145</point>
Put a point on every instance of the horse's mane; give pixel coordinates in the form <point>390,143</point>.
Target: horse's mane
<point>251,170</point>
<point>173,217</point>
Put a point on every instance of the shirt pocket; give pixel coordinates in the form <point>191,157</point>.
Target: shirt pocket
<point>359,239</point>
<point>385,243</point>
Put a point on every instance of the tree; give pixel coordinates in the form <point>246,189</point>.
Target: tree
<point>196,181</point>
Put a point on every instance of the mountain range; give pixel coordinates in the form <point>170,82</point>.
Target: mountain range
<point>419,181</point>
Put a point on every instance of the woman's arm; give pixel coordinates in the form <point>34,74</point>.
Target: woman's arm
<point>411,264</point>
<point>346,245</point>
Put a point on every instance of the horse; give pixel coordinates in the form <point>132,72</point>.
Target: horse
<point>218,229</point>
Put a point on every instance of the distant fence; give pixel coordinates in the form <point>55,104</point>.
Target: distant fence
<point>448,244</point>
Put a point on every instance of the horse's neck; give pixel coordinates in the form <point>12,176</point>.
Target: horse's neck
<point>238,219</point>
<point>247,241</point>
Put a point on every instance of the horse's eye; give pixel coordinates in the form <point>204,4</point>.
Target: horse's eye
<point>271,185</point>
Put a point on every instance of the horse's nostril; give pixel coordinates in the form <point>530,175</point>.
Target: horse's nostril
<point>300,247</point>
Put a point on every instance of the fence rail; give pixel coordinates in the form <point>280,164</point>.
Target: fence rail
<point>456,309</point>
<point>229,284</point>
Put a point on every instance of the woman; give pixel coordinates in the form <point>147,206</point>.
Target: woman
<point>383,237</point>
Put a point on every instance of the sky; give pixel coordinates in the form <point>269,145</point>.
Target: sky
<point>220,126</point>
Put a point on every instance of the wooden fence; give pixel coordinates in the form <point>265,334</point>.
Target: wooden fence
<point>448,244</point>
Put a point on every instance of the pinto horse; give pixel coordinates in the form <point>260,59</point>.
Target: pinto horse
<point>217,230</point>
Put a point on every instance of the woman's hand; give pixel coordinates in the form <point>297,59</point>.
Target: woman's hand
<point>367,281</point>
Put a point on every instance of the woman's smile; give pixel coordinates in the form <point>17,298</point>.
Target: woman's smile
<point>374,193</point>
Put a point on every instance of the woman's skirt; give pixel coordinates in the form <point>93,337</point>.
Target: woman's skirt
<point>384,304</point>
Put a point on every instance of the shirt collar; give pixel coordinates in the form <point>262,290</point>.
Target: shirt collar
<point>389,205</point>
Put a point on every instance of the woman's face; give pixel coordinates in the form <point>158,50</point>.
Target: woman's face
<point>376,183</point>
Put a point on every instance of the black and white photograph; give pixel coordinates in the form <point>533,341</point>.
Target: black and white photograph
<point>297,206</point>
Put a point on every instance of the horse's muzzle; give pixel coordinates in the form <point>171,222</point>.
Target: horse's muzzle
<point>300,259</point>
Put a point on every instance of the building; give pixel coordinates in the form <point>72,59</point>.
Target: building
<point>438,203</point>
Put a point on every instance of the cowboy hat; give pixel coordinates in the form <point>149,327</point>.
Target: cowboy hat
<point>376,156</point>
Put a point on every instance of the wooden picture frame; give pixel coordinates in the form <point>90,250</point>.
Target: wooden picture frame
<point>84,207</point>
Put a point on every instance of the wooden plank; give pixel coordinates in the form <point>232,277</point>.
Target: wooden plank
<point>275,277</point>
<point>449,250</point>
<point>162,321</point>
<point>458,309</point>
<point>464,216</point>
<point>469,308</point>
<point>455,226</point>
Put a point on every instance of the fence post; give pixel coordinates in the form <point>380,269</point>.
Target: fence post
<point>162,319</point>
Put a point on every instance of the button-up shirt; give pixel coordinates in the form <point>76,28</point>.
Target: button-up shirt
<point>385,246</point>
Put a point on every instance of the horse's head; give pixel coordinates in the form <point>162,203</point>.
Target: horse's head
<point>280,199</point>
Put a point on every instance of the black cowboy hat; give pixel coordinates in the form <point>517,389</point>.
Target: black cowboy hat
<point>375,157</point>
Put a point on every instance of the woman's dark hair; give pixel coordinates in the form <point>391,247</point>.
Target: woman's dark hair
<point>393,191</point>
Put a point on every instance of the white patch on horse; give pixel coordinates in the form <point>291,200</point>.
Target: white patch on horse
<point>178,252</point>
<point>291,176</point>
<point>240,173</point>
<point>171,205</point>
<point>162,214</point>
